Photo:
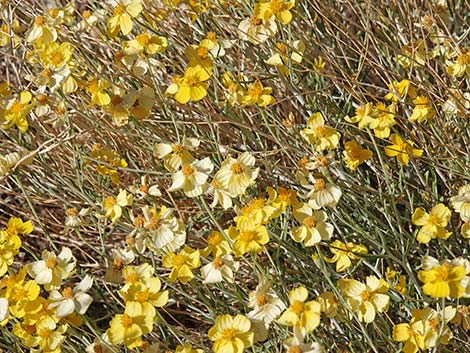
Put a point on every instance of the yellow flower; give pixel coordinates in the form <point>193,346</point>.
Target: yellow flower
<point>128,328</point>
<point>366,299</point>
<point>198,58</point>
<point>365,115</point>
<point>256,211</point>
<point>461,203</point>
<point>266,9</point>
<point>231,334</point>
<point>192,178</point>
<point>281,199</point>
<point>443,280</point>
<point>16,112</point>
<point>146,294</point>
<point>461,66</point>
<point>399,91</point>
<point>303,316</point>
<point>22,297</point>
<point>354,155</point>
<point>49,336</point>
<point>344,254</point>
<point>107,156</point>
<point>319,134</point>
<point>257,94</point>
<point>96,88</point>
<point>402,149</point>
<point>465,230</point>
<point>191,86</point>
<point>216,245</point>
<point>113,206</point>
<point>248,237</point>
<point>145,43</point>
<point>425,330</point>
<point>384,121</point>
<point>181,264</point>
<point>236,175</point>
<point>10,242</point>
<point>121,20</point>
<point>255,30</point>
<point>187,348</point>
<point>400,287</point>
<point>432,224</point>
<point>423,110</point>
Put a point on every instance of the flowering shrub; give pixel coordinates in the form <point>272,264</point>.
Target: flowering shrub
<point>191,176</point>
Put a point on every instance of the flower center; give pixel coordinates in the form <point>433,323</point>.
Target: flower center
<point>294,349</point>
<point>297,307</point>
<point>229,334</point>
<point>255,21</point>
<point>261,299</point>
<point>319,185</point>
<point>179,260</point>
<point>218,262</point>
<point>187,170</point>
<point>237,168</point>
<point>178,148</point>
<point>365,295</point>
<point>212,36</point>
<point>126,321</point>
<point>67,293</point>
<point>142,296</point>
<point>247,236</point>
<point>309,222</point>
<point>320,131</point>
<point>51,262</point>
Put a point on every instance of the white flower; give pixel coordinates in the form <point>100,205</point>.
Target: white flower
<point>235,175</point>
<point>265,303</point>
<point>3,309</point>
<point>313,228</point>
<point>461,203</point>
<point>52,269</point>
<point>320,193</point>
<point>192,177</point>
<point>174,155</point>
<point>222,267</point>
<point>295,344</point>
<point>255,30</point>
<point>71,300</point>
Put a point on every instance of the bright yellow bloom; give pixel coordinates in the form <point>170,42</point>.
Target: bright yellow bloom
<point>248,237</point>
<point>145,43</point>
<point>146,294</point>
<point>384,121</point>
<point>187,348</point>
<point>303,316</point>
<point>231,334</point>
<point>16,112</point>
<point>432,224</point>
<point>366,299</point>
<point>107,156</point>
<point>344,254</point>
<point>423,110</point>
<point>443,280</point>
<point>256,211</point>
<point>281,199</point>
<point>257,94</point>
<point>10,242</point>
<point>121,20</point>
<point>426,329</point>
<point>181,264</point>
<point>49,336</point>
<point>399,91</point>
<point>319,134</point>
<point>266,9</point>
<point>22,298</point>
<point>191,86</point>
<point>113,206</point>
<point>354,155</point>
<point>402,149</point>
<point>216,245</point>
<point>128,328</point>
<point>96,88</point>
